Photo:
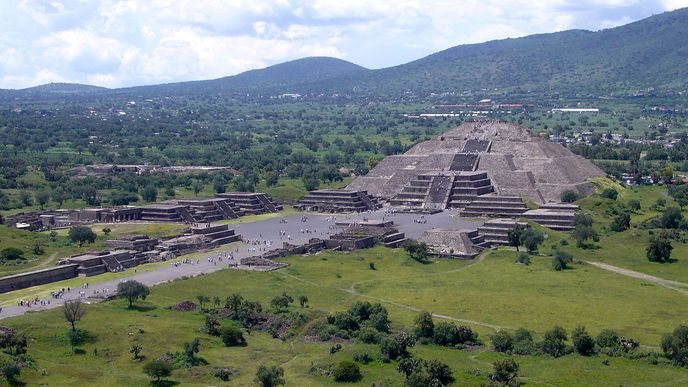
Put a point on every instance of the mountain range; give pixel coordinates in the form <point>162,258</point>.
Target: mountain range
<point>648,54</point>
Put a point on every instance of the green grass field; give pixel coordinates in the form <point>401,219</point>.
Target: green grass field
<point>493,291</point>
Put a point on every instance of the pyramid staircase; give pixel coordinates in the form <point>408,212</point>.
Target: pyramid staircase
<point>494,206</point>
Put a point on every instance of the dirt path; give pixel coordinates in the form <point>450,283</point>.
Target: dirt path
<point>680,287</point>
<point>352,290</point>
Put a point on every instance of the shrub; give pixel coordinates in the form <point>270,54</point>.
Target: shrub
<point>523,342</point>
<point>505,371</point>
<point>11,254</point>
<point>569,196</point>
<point>609,193</point>
<point>224,374</point>
<point>232,336</point>
<point>583,344</point>
<point>671,217</point>
<point>523,258</point>
<point>335,348</point>
<point>659,249</point>
<point>362,357</point>
<point>675,345</point>
<point>607,339</point>
<point>390,348</point>
<point>270,376</point>
<point>423,325</point>
<point>634,204</point>
<point>621,222</point>
<point>502,341</point>
<point>561,260</point>
<point>368,335</point>
<point>553,342</point>
<point>448,334</point>
<point>347,371</point>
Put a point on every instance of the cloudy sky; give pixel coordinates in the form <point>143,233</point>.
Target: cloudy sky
<point>117,43</point>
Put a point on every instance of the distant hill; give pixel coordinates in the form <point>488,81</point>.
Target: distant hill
<point>650,53</point>
<point>286,76</point>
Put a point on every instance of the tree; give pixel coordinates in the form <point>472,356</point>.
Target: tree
<point>675,345</point>
<point>553,342</point>
<point>202,299</point>
<point>582,233</point>
<point>514,236</point>
<point>504,371</point>
<point>232,336</point>
<point>25,198</point>
<point>561,260</point>
<point>671,217</point>
<point>531,239</point>
<point>303,300</point>
<point>423,325</point>
<point>502,341</point>
<point>132,290</point>
<point>136,351</point>
<point>270,376</point>
<point>191,348</point>
<point>42,197</point>
<point>583,344</point>
<point>149,193</point>
<point>347,371</point>
<point>607,339</point>
<point>417,251</point>
<point>211,325</point>
<point>621,222</point>
<point>271,179</point>
<point>158,369</point>
<point>609,193</point>
<point>81,235</point>
<point>634,204</point>
<point>311,183</point>
<point>569,196</point>
<point>73,311</point>
<point>659,249</point>
<point>281,302</point>
<point>198,187</point>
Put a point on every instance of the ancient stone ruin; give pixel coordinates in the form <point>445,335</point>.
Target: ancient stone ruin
<point>336,201</point>
<point>479,159</point>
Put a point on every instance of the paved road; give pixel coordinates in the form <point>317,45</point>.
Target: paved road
<point>264,230</point>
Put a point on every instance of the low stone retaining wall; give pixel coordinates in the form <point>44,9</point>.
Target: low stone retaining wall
<point>38,277</point>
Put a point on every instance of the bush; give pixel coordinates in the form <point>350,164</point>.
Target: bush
<point>347,371</point>
<point>523,342</point>
<point>607,339</point>
<point>232,336</point>
<point>11,254</point>
<point>583,344</point>
<point>671,217</point>
<point>609,193</point>
<point>659,249</point>
<point>81,235</point>
<point>505,371</point>
<point>270,376</point>
<point>335,348</point>
<point>569,196</point>
<point>423,325</point>
<point>502,341</point>
<point>523,258</point>
<point>561,260</point>
<point>553,342</point>
<point>362,357</point>
<point>675,345</point>
<point>634,205</point>
<point>368,335</point>
<point>621,222</point>
<point>448,334</point>
<point>390,348</point>
<point>224,374</point>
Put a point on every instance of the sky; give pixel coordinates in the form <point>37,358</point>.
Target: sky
<point>118,43</point>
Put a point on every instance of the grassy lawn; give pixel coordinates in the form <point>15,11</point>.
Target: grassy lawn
<point>288,191</point>
<point>492,290</point>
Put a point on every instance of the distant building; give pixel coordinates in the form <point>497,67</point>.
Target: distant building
<point>575,110</point>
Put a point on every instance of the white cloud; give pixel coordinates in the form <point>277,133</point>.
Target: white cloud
<point>128,42</point>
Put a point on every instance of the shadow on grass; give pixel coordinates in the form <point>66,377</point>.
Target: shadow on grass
<point>142,308</point>
<point>163,383</point>
<point>16,383</point>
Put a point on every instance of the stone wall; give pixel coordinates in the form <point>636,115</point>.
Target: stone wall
<point>38,277</point>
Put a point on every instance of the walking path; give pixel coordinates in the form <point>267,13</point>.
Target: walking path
<point>274,230</point>
<point>680,287</point>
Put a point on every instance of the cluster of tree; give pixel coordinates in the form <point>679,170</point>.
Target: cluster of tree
<point>528,237</point>
<point>418,251</point>
<point>365,321</point>
<point>13,354</point>
<point>444,333</point>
